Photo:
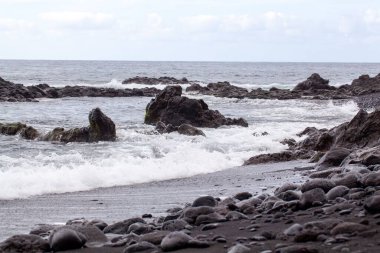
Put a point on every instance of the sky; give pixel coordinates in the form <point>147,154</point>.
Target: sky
<point>191,30</point>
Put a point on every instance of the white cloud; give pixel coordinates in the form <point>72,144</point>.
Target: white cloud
<point>78,20</point>
<point>201,23</point>
<point>8,24</point>
<point>372,17</point>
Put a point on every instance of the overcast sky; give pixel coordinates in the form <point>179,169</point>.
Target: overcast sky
<point>205,30</point>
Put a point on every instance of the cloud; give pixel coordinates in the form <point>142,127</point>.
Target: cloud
<point>78,20</point>
<point>201,23</point>
<point>13,25</point>
<point>372,17</point>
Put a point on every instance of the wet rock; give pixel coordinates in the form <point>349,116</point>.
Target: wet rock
<point>289,195</point>
<point>139,228</point>
<point>243,195</point>
<point>285,187</point>
<point>294,229</point>
<point>122,226</point>
<point>101,127</point>
<point>180,240</point>
<point>24,243</point>
<point>311,198</point>
<point>154,81</point>
<point>350,180</point>
<point>297,249</point>
<point>174,225</point>
<point>154,237</point>
<point>371,179</point>
<point>284,156</point>
<point>314,82</point>
<point>99,224</point>
<point>187,129</point>
<point>209,218</point>
<point>337,191</point>
<point>348,228</point>
<point>333,157</point>
<point>29,133</point>
<point>326,173</point>
<point>172,108</point>
<point>140,246</point>
<point>324,184</point>
<point>191,213</point>
<point>365,85</point>
<point>234,215</point>
<point>205,201</point>
<point>239,248</point>
<point>372,204</point>
<point>66,239</point>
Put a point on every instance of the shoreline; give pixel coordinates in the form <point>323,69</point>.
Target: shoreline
<point>120,202</point>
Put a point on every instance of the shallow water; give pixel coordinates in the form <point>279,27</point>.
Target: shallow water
<point>31,167</point>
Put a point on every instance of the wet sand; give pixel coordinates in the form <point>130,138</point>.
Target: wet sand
<point>118,203</point>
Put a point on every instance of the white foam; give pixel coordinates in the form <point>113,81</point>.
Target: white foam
<point>139,157</point>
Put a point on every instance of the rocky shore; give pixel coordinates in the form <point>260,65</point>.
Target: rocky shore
<point>364,90</point>
<point>336,210</point>
<point>11,92</point>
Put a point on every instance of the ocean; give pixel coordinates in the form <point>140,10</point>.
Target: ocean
<point>29,168</point>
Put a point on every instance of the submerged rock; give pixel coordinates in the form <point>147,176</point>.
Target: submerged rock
<point>170,107</point>
<point>155,81</point>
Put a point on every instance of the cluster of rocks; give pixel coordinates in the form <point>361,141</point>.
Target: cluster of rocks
<point>357,141</point>
<point>315,87</point>
<point>170,107</point>
<point>338,209</point>
<point>154,81</point>
<point>11,92</point>
<point>101,128</point>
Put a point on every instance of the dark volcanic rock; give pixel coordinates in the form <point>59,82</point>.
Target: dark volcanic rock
<point>101,128</point>
<point>314,82</point>
<point>312,197</point>
<point>24,243</point>
<point>155,81</point>
<point>205,201</point>
<point>333,157</point>
<point>172,108</point>
<point>26,132</point>
<point>122,226</point>
<point>66,239</point>
<point>180,240</point>
<point>187,129</point>
<point>324,184</point>
<point>365,85</point>
<point>372,204</point>
<point>140,246</point>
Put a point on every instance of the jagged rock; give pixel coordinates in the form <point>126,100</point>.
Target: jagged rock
<point>24,243</point>
<point>314,82</point>
<point>365,85</point>
<point>155,81</point>
<point>172,108</point>
<point>333,157</point>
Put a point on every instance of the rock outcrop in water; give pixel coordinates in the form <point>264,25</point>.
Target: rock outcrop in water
<point>170,107</point>
<point>154,81</point>
<point>11,92</point>
<point>101,128</point>
<point>358,139</point>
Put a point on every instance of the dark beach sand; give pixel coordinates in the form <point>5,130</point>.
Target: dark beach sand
<point>119,203</point>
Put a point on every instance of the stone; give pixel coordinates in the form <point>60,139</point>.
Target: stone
<point>337,191</point>
<point>170,107</point>
<point>333,157</point>
<point>140,246</point>
<point>314,82</point>
<point>24,243</point>
<point>311,198</point>
<point>293,230</point>
<point>324,184</point>
<point>243,195</point>
<point>154,237</point>
<point>66,239</point>
<point>235,215</point>
<point>174,225</point>
<point>180,240</point>
<point>187,129</point>
<point>139,228</point>
<point>239,248</point>
<point>205,201</point>
<point>348,228</point>
<point>122,226</point>
<point>372,204</point>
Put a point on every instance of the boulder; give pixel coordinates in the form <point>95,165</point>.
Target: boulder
<point>324,184</point>
<point>372,204</point>
<point>66,239</point>
<point>337,191</point>
<point>311,198</point>
<point>180,240</point>
<point>122,226</point>
<point>314,82</point>
<point>187,129</point>
<point>172,108</point>
<point>141,246</point>
<point>24,243</point>
<point>333,157</point>
<point>205,201</point>
<point>348,228</point>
